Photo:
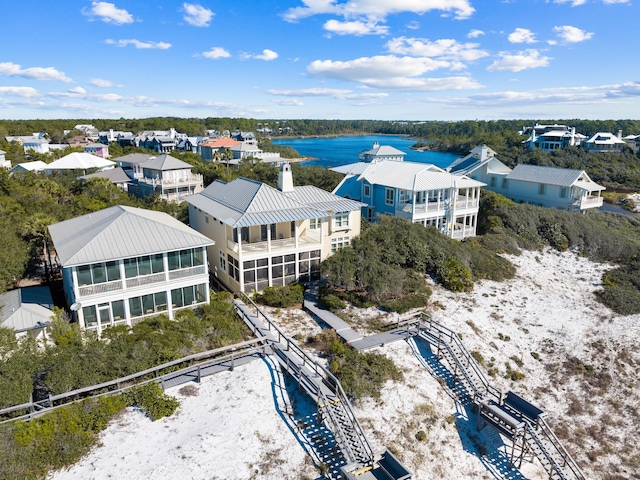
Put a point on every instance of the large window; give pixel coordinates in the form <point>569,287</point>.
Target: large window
<point>339,242</point>
<point>542,189</point>
<point>192,257</point>
<point>315,224</point>
<point>148,304</point>
<point>367,190</point>
<point>388,196</point>
<point>135,267</point>
<point>98,273</point>
<point>341,220</point>
<point>103,314</point>
<point>183,297</point>
<point>234,271</point>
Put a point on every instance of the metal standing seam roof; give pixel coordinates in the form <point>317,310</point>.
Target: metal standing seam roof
<point>384,150</point>
<point>605,138</point>
<point>244,202</point>
<point>564,177</point>
<point>165,162</point>
<point>399,174</point>
<point>114,175</point>
<point>121,232</point>
<point>24,309</point>
<point>79,161</point>
<point>134,158</point>
<point>323,200</point>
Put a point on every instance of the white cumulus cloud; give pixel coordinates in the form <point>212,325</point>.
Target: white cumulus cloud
<point>139,44</point>
<point>475,33</point>
<point>108,13</point>
<point>11,69</point>
<point>289,102</point>
<point>377,8</point>
<point>100,82</point>
<point>216,52</point>
<point>572,34</point>
<point>519,61</point>
<point>197,15</point>
<point>357,28</point>
<point>522,35</point>
<point>445,48</point>
<point>26,92</point>
<point>390,72</point>
<point>266,55</point>
<point>77,91</point>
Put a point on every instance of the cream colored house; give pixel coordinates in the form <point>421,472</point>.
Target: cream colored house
<point>271,237</point>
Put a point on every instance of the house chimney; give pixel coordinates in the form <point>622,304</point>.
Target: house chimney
<point>573,135</point>
<point>620,134</point>
<point>285,178</point>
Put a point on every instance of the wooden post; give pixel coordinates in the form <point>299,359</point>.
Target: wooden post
<point>199,375</point>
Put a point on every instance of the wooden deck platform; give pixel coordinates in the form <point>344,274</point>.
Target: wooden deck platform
<point>341,327</point>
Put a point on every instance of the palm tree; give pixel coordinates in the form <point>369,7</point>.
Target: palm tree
<point>36,229</point>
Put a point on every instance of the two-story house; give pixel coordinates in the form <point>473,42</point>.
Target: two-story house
<point>604,142</point>
<point>421,193</point>
<point>122,264</point>
<point>552,187</point>
<point>165,176</point>
<point>271,237</point>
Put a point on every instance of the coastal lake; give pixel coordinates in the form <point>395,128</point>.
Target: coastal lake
<point>336,151</point>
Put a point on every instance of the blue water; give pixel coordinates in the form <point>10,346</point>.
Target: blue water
<point>336,151</point>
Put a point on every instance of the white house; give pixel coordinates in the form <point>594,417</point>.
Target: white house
<point>421,193</point>
<point>269,237</point>
<point>551,137</point>
<point>122,264</point>
<point>167,177</point>
<point>4,163</point>
<point>379,153</point>
<point>603,142</point>
<point>36,166</point>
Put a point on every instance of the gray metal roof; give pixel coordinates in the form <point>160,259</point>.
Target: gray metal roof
<point>564,177</point>
<point>477,157</point>
<point>384,150</point>
<point>244,202</point>
<point>323,200</point>
<point>133,158</point>
<point>26,308</point>
<point>121,232</point>
<point>114,175</point>
<point>164,163</point>
<point>79,161</point>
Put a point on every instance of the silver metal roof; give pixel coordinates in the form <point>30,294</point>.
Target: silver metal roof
<point>323,200</point>
<point>244,202</point>
<point>121,232</point>
<point>564,177</point>
<point>79,161</point>
<point>133,158</point>
<point>164,163</point>
<point>26,308</point>
<point>114,175</point>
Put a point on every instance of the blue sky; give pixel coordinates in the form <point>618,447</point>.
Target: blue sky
<point>347,59</point>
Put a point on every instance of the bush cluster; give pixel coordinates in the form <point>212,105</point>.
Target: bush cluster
<point>281,297</point>
<point>360,374</point>
<point>78,359</point>
<point>28,450</point>
<point>151,398</point>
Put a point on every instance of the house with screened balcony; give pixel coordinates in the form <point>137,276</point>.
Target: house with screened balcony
<point>271,237</point>
<point>122,264</point>
<point>421,193</point>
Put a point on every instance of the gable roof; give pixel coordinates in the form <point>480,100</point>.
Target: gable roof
<point>244,202</point>
<point>605,138</point>
<point>476,158</point>
<point>26,308</point>
<point>564,177</point>
<point>114,175</point>
<point>35,166</point>
<point>121,232</point>
<point>383,150</point>
<point>323,200</point>
<point>220,143</point>
<point>79,161</point>
<point>165,162</point>
<point>134,158</point>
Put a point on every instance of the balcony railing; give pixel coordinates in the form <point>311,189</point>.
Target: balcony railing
<point>146,280</point>
<point>186,272</point>
<point>589,201</point>
<point>282,244</point>
<point>463,232</point>
<point>189,179</point>
<point>99,288</point>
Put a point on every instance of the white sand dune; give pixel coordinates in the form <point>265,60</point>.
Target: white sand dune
<point>239,425</point>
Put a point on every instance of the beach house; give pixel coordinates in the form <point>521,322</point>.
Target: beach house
<point>122,264</point>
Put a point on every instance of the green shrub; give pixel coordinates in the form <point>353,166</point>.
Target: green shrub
<point>332,302</point>
<point>421,436</point>
<point>28,450</point>
<point>151,398</point>
<point>282,297</point>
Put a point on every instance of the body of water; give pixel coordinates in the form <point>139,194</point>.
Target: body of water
<point>336,151</point>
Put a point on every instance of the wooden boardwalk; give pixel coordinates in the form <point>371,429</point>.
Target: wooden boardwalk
<point>341,327</point>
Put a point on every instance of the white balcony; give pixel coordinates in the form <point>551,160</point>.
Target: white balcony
<point>281,245</point>
<point>99,288</point>
<point>589,201</point>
